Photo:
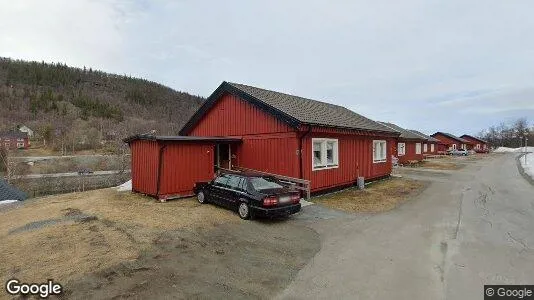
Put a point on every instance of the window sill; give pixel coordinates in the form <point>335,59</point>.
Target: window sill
<point>324,168</point>
<point>379,161</point>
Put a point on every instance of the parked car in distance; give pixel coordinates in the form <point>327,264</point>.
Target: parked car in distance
<point>250,195</point>
<point>85,171</point>
<point>461,152</point>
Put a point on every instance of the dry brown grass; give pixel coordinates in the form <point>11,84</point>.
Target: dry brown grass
<point>114,227</point>
<point>445,164</point>
<point>377,197</point>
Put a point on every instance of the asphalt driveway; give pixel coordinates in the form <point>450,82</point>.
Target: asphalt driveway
<point>471,227</point>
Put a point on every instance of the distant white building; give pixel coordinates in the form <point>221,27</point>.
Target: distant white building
<point>24,128</point>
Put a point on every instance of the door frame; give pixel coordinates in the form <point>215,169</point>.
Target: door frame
<point>218,156</point>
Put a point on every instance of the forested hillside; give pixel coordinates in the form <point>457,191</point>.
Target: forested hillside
<point>72,108</point>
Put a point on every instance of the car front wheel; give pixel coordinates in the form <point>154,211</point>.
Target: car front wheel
<point>201,197</point>
<point>244,211</point>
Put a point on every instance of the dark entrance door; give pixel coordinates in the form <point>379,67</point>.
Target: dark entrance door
<point>223,156</point>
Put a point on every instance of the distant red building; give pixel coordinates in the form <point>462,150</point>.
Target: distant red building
<point>14,140</point>
<point>477,143</point>
<point>409,146</point>
<point>449,141</point>
<point>432,144</point>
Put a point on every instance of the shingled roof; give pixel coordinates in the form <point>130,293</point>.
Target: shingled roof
<point>427,137</point>
<point>452,136</point>
<point>14,134</point>
<point>293,110</point>
<point>9,192</point>
<point>474,138</point>
<point>405,134</point>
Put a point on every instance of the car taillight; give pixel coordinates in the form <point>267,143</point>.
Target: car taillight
<point>295,198</point>
<point>270,201</point>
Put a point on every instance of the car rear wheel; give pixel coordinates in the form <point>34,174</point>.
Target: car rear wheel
<point>243,211</point>
<point>201,197</point>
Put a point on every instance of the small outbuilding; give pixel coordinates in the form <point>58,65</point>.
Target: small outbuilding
<point>169,166</point>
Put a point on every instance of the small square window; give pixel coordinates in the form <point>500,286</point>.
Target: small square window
<point>379,151</point>
<point>325,153</point>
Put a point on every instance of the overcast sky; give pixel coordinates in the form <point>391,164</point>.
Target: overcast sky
<point>456,66</point>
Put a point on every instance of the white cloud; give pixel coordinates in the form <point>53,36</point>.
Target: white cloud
<point>427,64</point>
<point>75,32</point>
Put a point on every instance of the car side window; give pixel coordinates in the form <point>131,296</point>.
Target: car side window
<point>221,181</point>
<point>244,184</point>
<point>234,182</point>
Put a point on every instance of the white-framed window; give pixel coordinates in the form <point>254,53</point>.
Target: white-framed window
<point>417,148</point>
<point>478,146</point>
<point>401,149</point>
<point>325,154</point>
<point>425,148</point>
<point>453,146</point>
<point>432,148</point>
<point>379,151</point>
<point>463,146</point>
<point>20,140</point>
<point>20,145</point>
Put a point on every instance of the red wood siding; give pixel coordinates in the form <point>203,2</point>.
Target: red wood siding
<point>355,159</point>
<point>274,153</point>
<point>184,164</point>
<point>410,154</point>
<point>448,142</point>
<point>12,142</point>
<point>430,152</point>
<point>475,142</point>
<point>144,156</point>
<point>232,116</point>
<point>270,145</point>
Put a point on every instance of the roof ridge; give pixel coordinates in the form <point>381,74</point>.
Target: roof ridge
<point>403,131</point>
<point>286,94</point>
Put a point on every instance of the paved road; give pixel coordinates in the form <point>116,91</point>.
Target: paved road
<point>471,227</point>
<point>69,174</point>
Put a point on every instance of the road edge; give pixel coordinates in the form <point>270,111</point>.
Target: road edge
<point>522,170</point>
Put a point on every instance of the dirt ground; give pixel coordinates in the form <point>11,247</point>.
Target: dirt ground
<point>106,245</point>
<point>379,196</point>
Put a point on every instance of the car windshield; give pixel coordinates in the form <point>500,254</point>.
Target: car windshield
<point>265,183</point>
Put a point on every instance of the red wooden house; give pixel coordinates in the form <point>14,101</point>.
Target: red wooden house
<point>282,134</point>
<point>431,145</point>
<point>449,141</point>
<point>477,143</point>
<point>409,146</point>
<point>14,140</point>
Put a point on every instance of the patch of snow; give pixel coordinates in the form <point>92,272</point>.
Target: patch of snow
<point>529,165</point>
<point>8,201</point>
<point>127,186</point>
<point>513,150</point>
<point>304,203</point>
